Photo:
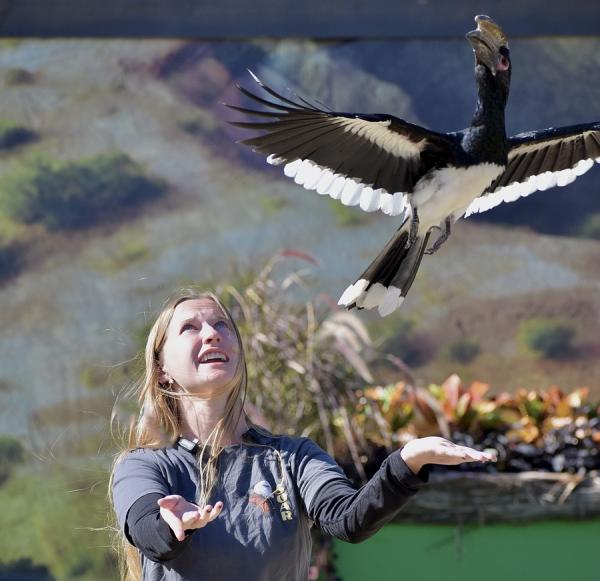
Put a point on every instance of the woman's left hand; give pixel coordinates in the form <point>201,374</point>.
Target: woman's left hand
<point>435,450</point>
<point>181,515</point>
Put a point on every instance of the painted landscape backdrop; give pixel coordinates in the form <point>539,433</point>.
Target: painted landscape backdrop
<point>120,181</point>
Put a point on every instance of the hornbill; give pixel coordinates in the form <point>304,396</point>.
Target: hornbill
<point>428,179</point>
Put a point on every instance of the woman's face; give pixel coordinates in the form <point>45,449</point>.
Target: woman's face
<point>201,352</point>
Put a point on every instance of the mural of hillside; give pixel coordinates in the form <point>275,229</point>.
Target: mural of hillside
<point>120,180</point>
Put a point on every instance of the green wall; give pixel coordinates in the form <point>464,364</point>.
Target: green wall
<point>542,551</point>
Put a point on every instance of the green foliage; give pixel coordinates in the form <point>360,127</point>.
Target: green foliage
<point>11,454</point>
<point>131,249</point>
<point>95,377</point>
<point>404,340</point>
<point>10,257</point>
<point>18,76</point>
<point>13,134</point>
<point>25,569</point>
<point>13,244</point>
<point>56,517</point>
<point>271,205</point>
<point>590,228</point>
<point>140,335</point>
<point>549,338</point>
<point>463,351</point>
<point>7,43</point>
<point>70,195</point>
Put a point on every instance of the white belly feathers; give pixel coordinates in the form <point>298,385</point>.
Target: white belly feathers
<point>450,191</point>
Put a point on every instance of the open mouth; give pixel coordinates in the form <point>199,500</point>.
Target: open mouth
<point>213,356</point>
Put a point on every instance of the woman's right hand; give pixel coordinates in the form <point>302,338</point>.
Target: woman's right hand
<point>182,515</point>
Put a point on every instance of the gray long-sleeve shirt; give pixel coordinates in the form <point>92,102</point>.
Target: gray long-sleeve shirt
<point>263,531</point>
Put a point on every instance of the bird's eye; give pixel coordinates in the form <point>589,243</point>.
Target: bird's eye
<point>503,63</point>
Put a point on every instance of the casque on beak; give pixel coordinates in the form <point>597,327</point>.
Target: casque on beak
<point>486,41</point>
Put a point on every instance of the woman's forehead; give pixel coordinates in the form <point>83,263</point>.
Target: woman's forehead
<point>196,307</point>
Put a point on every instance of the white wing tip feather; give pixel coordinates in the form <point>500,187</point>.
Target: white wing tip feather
<point>539,182</point>
<point>290,169</point>
<point>386,299</point>
<point>353,292</point>
<point>274,160</point>
<point>372,297</point>
<point>339,187</point>
<point>391,301</point>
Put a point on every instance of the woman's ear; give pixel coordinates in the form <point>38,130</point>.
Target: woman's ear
<point>164,377</point>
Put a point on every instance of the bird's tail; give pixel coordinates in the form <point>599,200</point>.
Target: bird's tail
<point>386,281</point>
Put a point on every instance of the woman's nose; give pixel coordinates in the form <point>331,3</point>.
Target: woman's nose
<point>210,334</point>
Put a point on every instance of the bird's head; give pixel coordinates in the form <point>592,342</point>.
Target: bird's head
<point>492,56</point>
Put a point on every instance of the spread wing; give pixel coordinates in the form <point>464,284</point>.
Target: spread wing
<point>369,160</point>
<point>539,160</point>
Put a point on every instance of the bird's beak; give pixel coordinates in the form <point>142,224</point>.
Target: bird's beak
<point>486,41</point>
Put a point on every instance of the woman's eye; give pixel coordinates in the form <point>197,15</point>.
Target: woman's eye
<point>186,326</point>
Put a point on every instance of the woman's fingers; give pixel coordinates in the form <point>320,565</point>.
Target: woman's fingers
<point>437,450</point>
<point>214,512</point>
<point>479,456</point>
<point>210,513</point>
<point>465,454</point>
<point>182,515</point>
<point>192,519</point>
<point>446,452</point>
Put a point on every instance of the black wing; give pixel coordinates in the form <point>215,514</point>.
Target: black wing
<point>539,160</point>
<point>369,160</point>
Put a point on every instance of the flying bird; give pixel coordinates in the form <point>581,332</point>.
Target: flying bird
<point>425,178</point>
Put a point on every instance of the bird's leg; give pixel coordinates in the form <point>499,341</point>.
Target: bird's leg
<point>414,229</point>
<point>445,234</point>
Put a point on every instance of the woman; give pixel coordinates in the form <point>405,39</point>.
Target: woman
<point>203,493</point>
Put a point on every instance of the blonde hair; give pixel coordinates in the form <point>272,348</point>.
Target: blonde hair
<point>160,420</point>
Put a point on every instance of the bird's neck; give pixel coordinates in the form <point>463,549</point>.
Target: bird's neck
<point>486,136</point>
<point>489,110</point>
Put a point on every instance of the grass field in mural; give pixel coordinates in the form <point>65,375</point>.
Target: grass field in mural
<point>120,180</point>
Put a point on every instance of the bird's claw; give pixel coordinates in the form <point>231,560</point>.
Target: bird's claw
<point>438,243</point>
<point>433,249</point>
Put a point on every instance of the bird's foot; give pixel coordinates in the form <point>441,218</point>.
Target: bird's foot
<point>440,241</point>
<point>434,248</point>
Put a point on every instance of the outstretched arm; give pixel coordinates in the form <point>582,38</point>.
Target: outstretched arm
<point>434,450</point>
<point>161,527</point>
<point>353,515</point>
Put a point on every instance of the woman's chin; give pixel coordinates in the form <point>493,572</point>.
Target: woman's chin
<point>213,383</point>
